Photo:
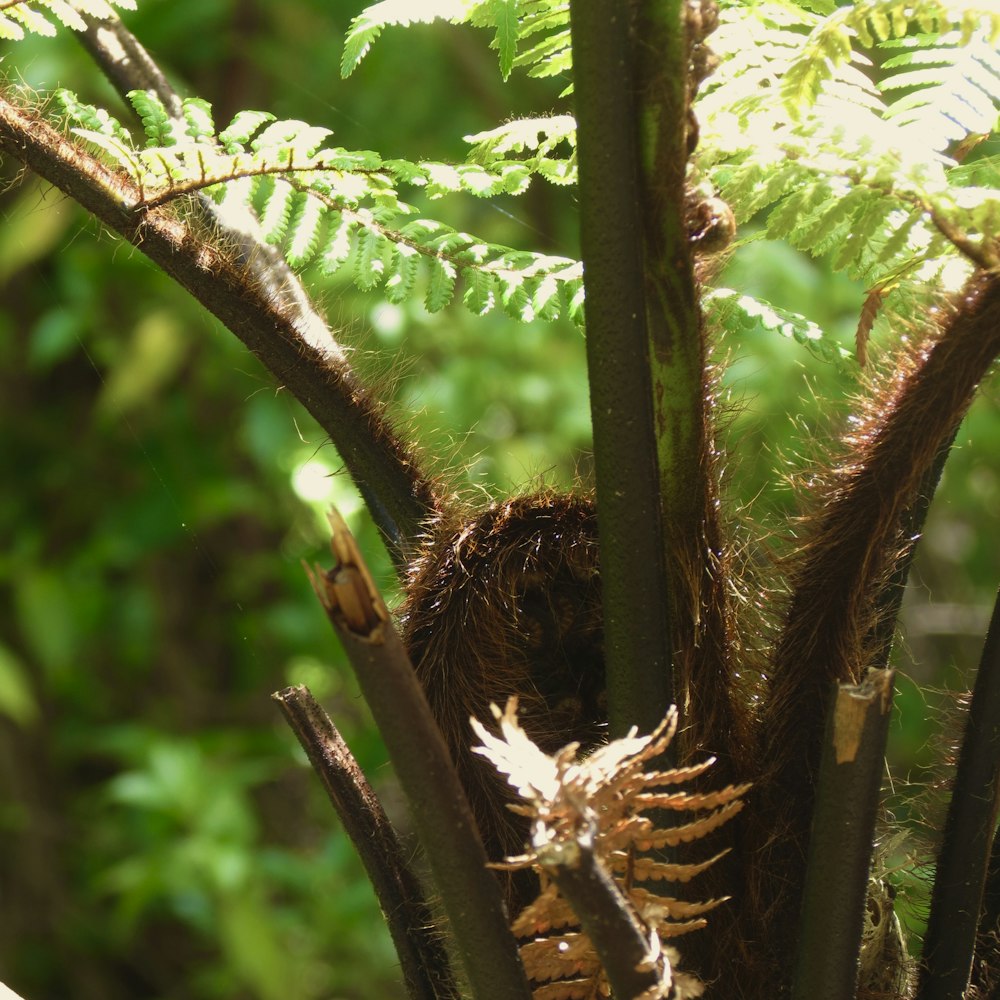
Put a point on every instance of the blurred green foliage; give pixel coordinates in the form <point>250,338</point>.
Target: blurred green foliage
<point>159,833</point>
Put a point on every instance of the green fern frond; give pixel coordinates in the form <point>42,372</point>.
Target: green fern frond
<point>551,54</point>
<point>511,21</point>
<point>237,134</point>
<point>866,221</point>
<point>861,175</point>
<point>368,25</point>
<point>93,119</point>
<point>42,17</point>
<point>871,23</point>
<point>540,138</point>
<point>740,316</point>
<point>157,123</point>
<point>503,14</point>
<point>340,208</point>
<point>952,86</point>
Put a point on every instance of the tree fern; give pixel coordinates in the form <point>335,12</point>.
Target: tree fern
<point>340,207</point>
<point>42,17</point>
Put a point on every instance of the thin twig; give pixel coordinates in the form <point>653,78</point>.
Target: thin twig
<point>422,956</point>
<point>441,815</point>
<point>960,874</point>
<point>840,852</point>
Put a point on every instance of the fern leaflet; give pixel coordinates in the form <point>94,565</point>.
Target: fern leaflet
<point>953,87</point>
<point>741,315</point>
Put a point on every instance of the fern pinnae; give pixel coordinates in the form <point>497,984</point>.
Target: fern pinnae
<point>367,26</point>
<point>504,14</point>
<point>306,228</point>
<point>370,260</point>
<point>511,21</point>
<point>542,15</point>
<point>301,188</point>
<point>871,219</point>
<point>197,114</point>
<point>953,88</point>
<point>42,17</point>
<point>903,230</point>
<point>338,242</point>
<point>478,297</point>
<point>236,135</point>
<point>278,199</point>
<point>440,284</point>
<point>545,302</point>
<point>790,211</point>
<point>550,56</point>
<point>739,315</point>
<point>402,276</point>
<point>873,22</point>
<point>21,16</point>
<point>157,122</point>
<point>516,299</point>
<point>828,226</point>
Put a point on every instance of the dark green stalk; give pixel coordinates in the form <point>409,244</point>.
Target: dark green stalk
<point>695,552</point>
<point>387,471</point>
<point>633,569</point>
<point>441,815</point>
<point>840,852</point>
<point>956,902</point>
<point>672,312</point>
<point>986,968</point>
<point>422,956</point>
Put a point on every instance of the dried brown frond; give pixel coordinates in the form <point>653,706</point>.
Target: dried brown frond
<point>590,809</point>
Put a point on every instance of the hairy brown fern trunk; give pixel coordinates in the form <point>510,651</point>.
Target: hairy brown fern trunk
<point>838,580</point>
<point>508,603</point>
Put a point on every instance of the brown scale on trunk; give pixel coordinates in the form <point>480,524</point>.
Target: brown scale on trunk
<point>509,603</point>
